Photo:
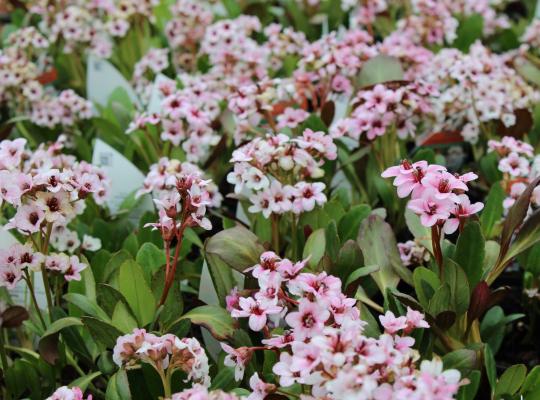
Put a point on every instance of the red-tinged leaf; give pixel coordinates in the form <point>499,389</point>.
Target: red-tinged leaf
<point>13,316</point>
<point>328,111</point>
<point>523,125</point>
<point>48,76</point>
<point>479,301</point>
<point>497,296</point>
<point>446,137</point>
<point>278,108</point>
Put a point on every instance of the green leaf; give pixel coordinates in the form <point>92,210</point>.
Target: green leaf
<point>332,241</point>
<point>470,252</point>
<point>464,360</point>
<point>456,279</point>
<point>379,69</point>
<point>131,244</point>
<point>315,247</point>
<point>441,300</point>
<point>150,258</point>
<point>237,247</point>
<point>216,319</point>
<point>114,263</point>
<point>118,387</point>
<point>102,332</point>
<point>350,223</point>
<point>493,210</point>
<point>221,275</point>
<point>83,382</point>
<point>511,380</point>
<point>469,30</point>
<point>360,273</point>
<point>489,363</point>
<point>532,382</point>
<point>122,318</point>
<point>421,233</point>
<point>60,324</point>
<point>489,166</point>
<point>426,283</point>
<point>528,236</point>
<point>468,392</point>
<point>378,244</point>
<point>87,305</point>
<point>48,344</point>
<point>133,285</point>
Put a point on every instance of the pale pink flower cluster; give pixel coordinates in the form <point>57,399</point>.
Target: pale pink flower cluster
<point>233,55</point>
<point>166,352</point>
<point>330,64</point>
<point>413,253</point>
<point>531,36</point>
<point>282,42</point>
<point>476,88</point>
<point>65,109</point>
<point>382,108</point>
<point>21,63</point>
<point>200,392</point>
<point>272,172</point>
<point>79,24</point>
<point>17,257</point>
<point>437,195</point>
<point>435,21</point>
<point>323,347</point>
<point>367,11</point>
<point>186,29</point>
<point>185,119</point>
<point>145,71</point>
<point>519,166</point>
<point>179,189</point>
<point>68,393</point>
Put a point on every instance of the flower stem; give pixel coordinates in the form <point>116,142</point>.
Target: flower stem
<point>437,252</point>
<point>28,280</point>
<point>3,351</point>
<point>275,232</point>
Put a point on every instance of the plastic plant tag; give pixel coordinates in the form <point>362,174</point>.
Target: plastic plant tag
<point>156,97</point>
<point>125,179</point>
<point>208,294</point>
<point>20,295</point>
<point>102,78</point>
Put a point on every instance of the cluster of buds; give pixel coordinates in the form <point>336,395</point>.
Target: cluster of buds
<point>272,172</point>
<point>166,354</point>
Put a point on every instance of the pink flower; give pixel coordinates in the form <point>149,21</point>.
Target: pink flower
<point>73,270</point>
<point>430,208</point>
<point>444,183</point>
<point>237,358</point>
<point>515,165</point>
<point>28,219</point>
<point>308,195</point>
<point>10,275</point>
<point>259,387</point>
<point>392,324</point>
<point>256,311</point>
<point>291,118</point>
<point>308,320</point>
<point>463,209</point>
<point>415,319</point>
<point>408,177</point>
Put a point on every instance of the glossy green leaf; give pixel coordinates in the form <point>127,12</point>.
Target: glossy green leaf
<point>133,285</point>
<point>216,319</point>
<point>470,252</point>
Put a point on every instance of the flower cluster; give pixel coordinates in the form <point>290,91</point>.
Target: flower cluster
<point>519,166</point>
<point>146,69</point>
<point>437,195</point>
<point>323,347</point>
<point>65,109</point>
<point>68,393</point>
<point>382,108</point>
<point>185,119</point>
<point>78,24</point>
<point>47,190</point>
<point>186,29</point>
<point>272,172</point>
<point>413,253</point>
<point>165,353</point>
<point>531,36</point>
<point>200,392</point>
<point>476,89</point>
<point>16,258</point>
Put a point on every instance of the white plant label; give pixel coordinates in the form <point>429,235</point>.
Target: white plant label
<point>125,177</point>
<point>102,78</point>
